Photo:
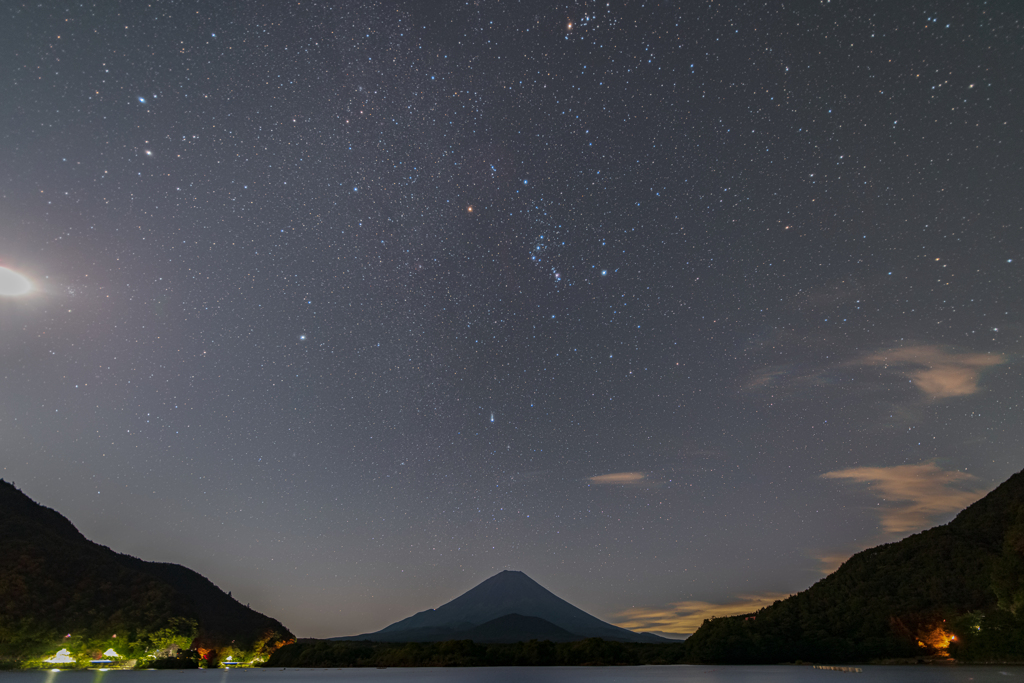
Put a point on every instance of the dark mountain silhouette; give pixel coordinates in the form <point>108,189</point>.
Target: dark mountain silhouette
<point>55,582</point>
<point>222,619</point>
<point>513,628</point>
<point>956,589</point>
<point>504,594</point>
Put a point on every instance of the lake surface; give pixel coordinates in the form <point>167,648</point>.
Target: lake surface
<point>547,674</point>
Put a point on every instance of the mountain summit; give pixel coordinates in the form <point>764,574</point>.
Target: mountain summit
<point>490,603</point>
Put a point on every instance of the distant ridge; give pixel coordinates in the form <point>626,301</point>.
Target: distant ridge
<point>505,595</point>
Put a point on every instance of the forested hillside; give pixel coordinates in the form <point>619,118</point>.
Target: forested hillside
<point>61,591</point>
<point>954,590</point>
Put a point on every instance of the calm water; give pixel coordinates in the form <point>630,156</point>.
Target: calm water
<point>642,674</point>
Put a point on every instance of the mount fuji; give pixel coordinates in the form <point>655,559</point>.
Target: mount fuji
<point>508,607</point>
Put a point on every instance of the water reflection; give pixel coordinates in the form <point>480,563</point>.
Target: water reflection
<point>582,674</point>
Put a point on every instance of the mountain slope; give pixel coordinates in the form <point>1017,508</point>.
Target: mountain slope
<point>506,593</point>
<point>513,628</point>
<point>55,582</point>
<point>904,599</point>
<point>222,619</point>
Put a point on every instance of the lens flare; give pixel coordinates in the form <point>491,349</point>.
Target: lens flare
<point>12,283</point>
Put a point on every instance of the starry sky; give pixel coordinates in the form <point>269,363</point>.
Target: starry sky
<point>350,305</point>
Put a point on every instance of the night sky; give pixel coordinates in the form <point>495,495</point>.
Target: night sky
<point>350,305</point>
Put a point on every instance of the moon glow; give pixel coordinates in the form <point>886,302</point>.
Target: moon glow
<point>13,283</point>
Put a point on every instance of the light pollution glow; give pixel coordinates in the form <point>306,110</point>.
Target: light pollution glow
<point>13,283</point>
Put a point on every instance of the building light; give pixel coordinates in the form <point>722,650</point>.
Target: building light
<point>63,656</point>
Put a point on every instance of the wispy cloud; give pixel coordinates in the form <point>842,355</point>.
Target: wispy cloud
<point>795,376</point>
<point>918,493</point>
<point>938,373</point>
<point>682,618</point>
<point>618,478</point>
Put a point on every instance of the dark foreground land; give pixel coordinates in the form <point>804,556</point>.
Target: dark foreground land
<point>452,653</point>
<point>589,652</point>
<point>954,592</point>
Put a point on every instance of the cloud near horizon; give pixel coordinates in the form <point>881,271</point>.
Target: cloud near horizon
<point>918,493</point>
<point>618,478</point>
<point>832,562</point>
<point>938,373</point>
<point>683,618</point>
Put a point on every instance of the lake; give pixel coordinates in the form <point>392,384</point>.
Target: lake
<point>547,674</point>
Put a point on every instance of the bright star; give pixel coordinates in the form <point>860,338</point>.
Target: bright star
<point>12,283</point>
